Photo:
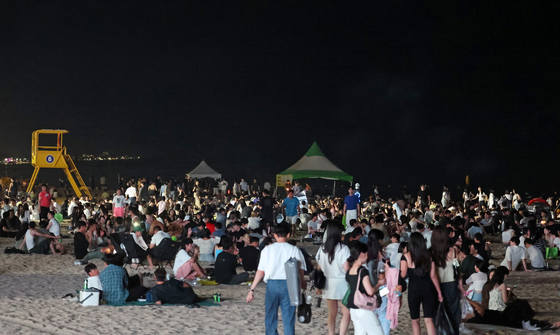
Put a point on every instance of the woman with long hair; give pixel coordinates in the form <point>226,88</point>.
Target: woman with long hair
<point>332,259</point>
<point>423,285</point>
<point>445,259</point>
<point>358,278</point>
<point>376,269</point>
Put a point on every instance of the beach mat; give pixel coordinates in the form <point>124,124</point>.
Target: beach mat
<point>204,303</point>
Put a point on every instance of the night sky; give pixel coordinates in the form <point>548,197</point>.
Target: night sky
<point>396,93</point>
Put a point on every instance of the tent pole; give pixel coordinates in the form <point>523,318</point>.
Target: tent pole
<point>334,189</point>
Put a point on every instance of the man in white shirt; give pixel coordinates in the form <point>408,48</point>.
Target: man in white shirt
<point>514,255</point>
<point>534,255</point>
<point>159,235</point>
<point>53,227</point>
<point>131,195</point>
<point>223,186</point>
<point>72,205</point>
<point>426,233</point>
<point>271,270</point>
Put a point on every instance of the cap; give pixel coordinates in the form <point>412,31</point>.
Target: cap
<point>137,228</point>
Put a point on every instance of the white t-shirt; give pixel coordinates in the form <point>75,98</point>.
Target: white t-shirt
<point>312,225</point>
<point>181,258</point>
<point>477,281</point>
<point>514,254</point>
<point>119,200</point>
<point>273,258</point>
<point>158,237</point>
<point>506,235</point>
<point>94,282</point>
<point>535,256</point>
<point>481,196</point>
<point>428,237</point>
<point>55,227</point>
<point>206,246</point>
<point>71,208</point>
<point>334,270</point>
<point>130,192</point>
<point>556,242</point>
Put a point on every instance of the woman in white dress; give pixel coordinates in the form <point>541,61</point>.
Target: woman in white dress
<point>332,259</point>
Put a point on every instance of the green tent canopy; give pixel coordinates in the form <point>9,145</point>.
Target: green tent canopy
<point>314,165</point>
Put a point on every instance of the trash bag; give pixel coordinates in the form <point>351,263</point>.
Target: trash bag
<point>444,325</point>
<point>292,267</point>
<point>552,253</point>
<point>467,311</point>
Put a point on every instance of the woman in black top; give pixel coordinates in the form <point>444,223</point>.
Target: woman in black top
<point>365,321</point>
<point>423,285</point>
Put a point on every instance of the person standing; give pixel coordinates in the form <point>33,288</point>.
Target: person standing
<point>118,204</point>
<point>292,209</point>
<point>267,207</point>
<point>423,197</point>
<point>271,271</point>
<point>44,202</point>
<point>223,186</point>
<point>351,206</point>
<point>131,194</point>
<point>244,186</point>
<point>332,259</point>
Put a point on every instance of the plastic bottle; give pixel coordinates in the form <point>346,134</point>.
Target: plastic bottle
<point>85,284</point>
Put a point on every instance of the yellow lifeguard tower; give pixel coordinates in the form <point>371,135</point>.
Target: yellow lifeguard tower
<point>55,157</point>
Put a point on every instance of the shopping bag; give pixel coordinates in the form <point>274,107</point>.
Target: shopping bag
<point>444,325</point>
<point>467,311</point>
<point>552,253</point>
<point>292,267</point>
<point>345,299</point>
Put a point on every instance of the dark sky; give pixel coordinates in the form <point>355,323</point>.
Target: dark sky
<point>397,93</point>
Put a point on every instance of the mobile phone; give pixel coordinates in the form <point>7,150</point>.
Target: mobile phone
<point>384,291</point>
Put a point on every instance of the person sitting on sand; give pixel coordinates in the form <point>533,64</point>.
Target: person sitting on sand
<point>249,256</point>
<point>171,291</point>
<point>226,265</point>
<point>534,255</point>
<point>514,255</point>
<point>118,287</point>
<point>6,230</point>
<point>185,265</point>
<point>93,277</point>
<point>44,246</point>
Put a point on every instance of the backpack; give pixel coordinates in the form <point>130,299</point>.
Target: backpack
<point>13,250</point>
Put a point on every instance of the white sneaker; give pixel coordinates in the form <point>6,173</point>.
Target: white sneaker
<point>527,326</point>
<point>463,329</point>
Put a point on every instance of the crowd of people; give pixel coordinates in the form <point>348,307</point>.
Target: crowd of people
<point>370,248</point>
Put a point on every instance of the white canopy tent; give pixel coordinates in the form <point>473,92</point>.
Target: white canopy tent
<point>203,170</point>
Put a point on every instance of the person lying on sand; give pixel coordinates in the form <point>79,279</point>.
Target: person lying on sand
<point>171,291</point>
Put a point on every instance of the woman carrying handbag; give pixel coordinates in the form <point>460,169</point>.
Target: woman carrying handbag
<point>361,300</point>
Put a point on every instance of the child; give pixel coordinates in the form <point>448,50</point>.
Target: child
<point>477,281</point>
<point>93,277</point>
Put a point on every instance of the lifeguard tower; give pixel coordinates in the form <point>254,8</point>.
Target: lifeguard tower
<point>55,157</point>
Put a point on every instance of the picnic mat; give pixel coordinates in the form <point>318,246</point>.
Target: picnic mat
<point>204,303</point>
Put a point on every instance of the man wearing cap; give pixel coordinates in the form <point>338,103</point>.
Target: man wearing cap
<point>141,246</point>
<point>351,206</point>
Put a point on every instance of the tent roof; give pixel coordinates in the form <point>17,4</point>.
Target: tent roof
<point>203,170</point>
<point>314,164</point>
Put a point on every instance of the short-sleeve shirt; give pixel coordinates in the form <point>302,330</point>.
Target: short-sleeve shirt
<point>291,206</point>
<point>173,292</point>
<point>351,202</point>
<point>250,256</point>
<point>514,254</point>
<point>115,282</point>
<point>158,237</point>
<point>181,258</point>
<point>535,256</point>
<point>334,269</point>
<point>45,199</point>
<point>225,267</point>
<point>119,200</point>
<point>273,258</point>
<point>356,282</point>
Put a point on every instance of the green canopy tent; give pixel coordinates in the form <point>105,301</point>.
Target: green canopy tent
<point>313,164</point>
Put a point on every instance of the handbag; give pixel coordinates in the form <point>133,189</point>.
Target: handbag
<point>364,301</point>
<point>318,279</point>
<point>346,295</point>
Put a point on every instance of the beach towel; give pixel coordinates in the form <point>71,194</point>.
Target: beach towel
<point>393,300</point>
<point>204,303</point>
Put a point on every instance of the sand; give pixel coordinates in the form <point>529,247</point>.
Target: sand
<point>31,287</point>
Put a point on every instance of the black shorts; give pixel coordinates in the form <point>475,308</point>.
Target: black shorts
<point>427,297</point>
<point>44,212</point>
<point>42,248</point>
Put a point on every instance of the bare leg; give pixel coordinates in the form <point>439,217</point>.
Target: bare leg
<point>345,321</point>
<point>430,326</point>
<point>331,318</point>
<point>199,270</point>
<point>416,327</point>
<point>150,261</point>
